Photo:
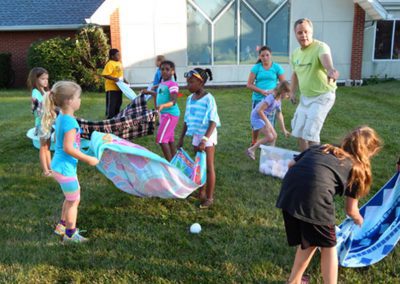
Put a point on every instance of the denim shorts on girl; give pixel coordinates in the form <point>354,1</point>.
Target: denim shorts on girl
<point>211,141</point>
<point>69,185</point>
<point>166,130</point>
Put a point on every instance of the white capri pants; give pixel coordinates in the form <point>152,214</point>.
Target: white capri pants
<point>310,115</point>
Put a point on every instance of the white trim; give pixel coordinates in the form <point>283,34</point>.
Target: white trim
<point>201,11</point>
<point>391,48</point>
<point>275,12</point>
<point>254,11</point>
<point>374,9</point>
<point>238,30</point>
<point>219,15</point>
<point>164,130</point>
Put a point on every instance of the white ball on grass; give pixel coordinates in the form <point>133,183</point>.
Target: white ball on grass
<point>195,228</point>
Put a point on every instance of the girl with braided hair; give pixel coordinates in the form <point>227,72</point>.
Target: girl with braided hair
<point>201,121</point>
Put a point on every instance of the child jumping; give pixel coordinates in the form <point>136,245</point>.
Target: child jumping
<point>165,102</point>
<point>259,117</point>
<point>307,197</point>
<point>67,96</point>
<point>201,121</point>
<point>113,72</point>
<point>38,83</point>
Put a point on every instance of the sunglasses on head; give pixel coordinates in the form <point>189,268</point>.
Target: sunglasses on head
<point>193,73</point>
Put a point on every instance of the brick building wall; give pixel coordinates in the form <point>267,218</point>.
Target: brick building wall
<point>115,32</point>
<point>18,42</point>
<point>357,43</point>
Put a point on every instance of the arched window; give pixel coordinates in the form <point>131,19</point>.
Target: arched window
<point>231,31</point>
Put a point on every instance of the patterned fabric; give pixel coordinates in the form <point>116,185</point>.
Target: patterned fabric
<point>138,171</point>
<point>134,121</point>
<point>199,113</point>
<point>380,232</point>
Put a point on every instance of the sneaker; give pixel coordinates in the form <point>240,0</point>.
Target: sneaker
<point>59,230</point>
<point>75,238</point>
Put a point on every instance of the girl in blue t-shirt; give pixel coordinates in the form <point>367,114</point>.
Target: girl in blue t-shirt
<point>67,96</point>
<point>259,117</point>
<point>201,121</point>
<point>38,83</point>
<point>263,78</point>
<point>165,100</point>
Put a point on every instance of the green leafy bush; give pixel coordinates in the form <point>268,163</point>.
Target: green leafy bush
<point>6,73</point>
<point>77,59</point>
<point>92,52</point>
<point>56,55</point>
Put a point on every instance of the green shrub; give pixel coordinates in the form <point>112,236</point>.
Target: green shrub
<point>77,59</point>
<point>6,73</point>
<point>92,52</point>
<point>56,55</point>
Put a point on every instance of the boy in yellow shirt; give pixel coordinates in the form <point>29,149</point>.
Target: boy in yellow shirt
<point>112,73</point>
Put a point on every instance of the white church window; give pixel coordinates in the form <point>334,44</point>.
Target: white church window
<point>231,31</point>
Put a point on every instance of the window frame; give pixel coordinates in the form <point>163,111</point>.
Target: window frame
<point>264,23</point>
<point>395,21</point>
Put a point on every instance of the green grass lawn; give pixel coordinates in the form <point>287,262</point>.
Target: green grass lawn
<point>136,240</point>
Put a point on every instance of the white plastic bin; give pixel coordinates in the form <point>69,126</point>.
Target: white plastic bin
<point>274,161</point>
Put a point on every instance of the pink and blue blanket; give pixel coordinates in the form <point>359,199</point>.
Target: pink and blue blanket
<point>138,171</point>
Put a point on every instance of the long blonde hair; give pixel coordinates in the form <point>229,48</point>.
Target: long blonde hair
<point>61,92</point>
<point>359,146</point>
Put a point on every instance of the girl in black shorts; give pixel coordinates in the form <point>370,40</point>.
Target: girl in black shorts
<point>307,197</point>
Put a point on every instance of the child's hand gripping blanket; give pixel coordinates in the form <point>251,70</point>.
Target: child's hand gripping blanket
<point>380,232</point>
<point>138,171</point>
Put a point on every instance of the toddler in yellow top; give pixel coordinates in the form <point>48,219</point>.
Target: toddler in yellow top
<point>112,72</point>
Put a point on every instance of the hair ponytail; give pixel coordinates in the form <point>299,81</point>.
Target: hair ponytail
<point>49,112</point>
<point>205,74</point>
<point>61,92</point>
<point>359,145</point>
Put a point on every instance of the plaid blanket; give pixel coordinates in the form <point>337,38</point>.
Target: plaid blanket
<point>133,121</point>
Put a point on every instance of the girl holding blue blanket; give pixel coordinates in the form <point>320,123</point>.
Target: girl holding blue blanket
<point>67,96</point>
<point>307,197</point>
<point>259,117</point>
<point>201,121</point>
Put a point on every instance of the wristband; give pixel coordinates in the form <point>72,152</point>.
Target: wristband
<point>204,138</point>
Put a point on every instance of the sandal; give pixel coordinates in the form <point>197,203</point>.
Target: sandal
<point>47,174</point>
<point>207,203</point>
<point>251,154</point>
